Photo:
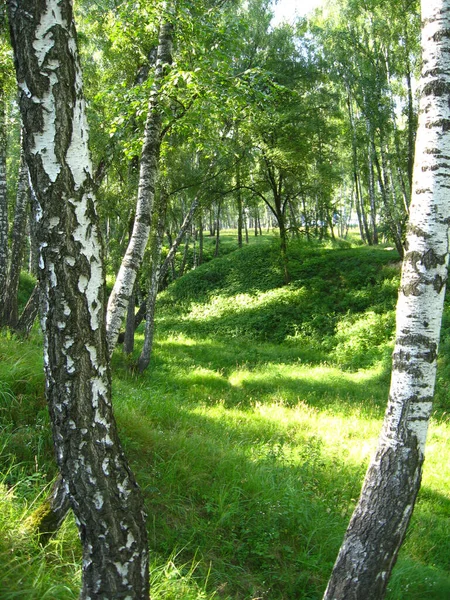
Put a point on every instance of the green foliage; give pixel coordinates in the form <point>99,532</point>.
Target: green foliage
<point>364,339</point>
<point>27,283</point>
<point>242,294</point>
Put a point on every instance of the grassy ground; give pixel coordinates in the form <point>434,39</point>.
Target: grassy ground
<point>249,434</point>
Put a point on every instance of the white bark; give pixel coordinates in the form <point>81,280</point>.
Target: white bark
<point>378,525</point>
<point>96,477</point>
<point>131,263</point>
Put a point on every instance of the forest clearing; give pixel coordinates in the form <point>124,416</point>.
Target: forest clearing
<point>224,245</point>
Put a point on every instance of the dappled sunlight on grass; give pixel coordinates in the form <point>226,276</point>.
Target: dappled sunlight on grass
<point>250,453</point>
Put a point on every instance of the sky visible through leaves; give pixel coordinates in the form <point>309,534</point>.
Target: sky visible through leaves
<point>285,10</point>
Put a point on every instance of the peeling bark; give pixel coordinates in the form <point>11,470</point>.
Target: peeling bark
<point>131,263</point>
<point>100,486</point>
<point>379,522</point>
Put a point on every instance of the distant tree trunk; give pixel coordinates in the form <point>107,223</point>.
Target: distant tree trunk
<point>131,263</point>
<point>239,204</point>
<point>212,222</point>
<point>174,247</point>
<point>246,226</point>
<point>185,254</point>
<point>200,239</point>
<point>217,228</point>
<point>128,340</point>
<point>280,216</point>
<point>294,219</point>
<point>10,307</point>
<point>371,179</point>
<point>383,180</point>
<point>34,217</point>
<point>379,522</point>
<point>97,479</point>
<point>362,208</point>
<point>3,198</point>
<point>29,313</point>
<point>156,239</point>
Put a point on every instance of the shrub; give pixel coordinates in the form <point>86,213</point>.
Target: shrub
<point>363,339</point>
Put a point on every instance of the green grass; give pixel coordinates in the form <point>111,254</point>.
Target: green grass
<point>250,444</point>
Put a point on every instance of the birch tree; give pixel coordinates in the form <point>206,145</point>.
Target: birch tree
<point>98,481</point>
<point>379,522</point>
<point>3,194</point>
<point>124,284</point>
<point>10,307</point>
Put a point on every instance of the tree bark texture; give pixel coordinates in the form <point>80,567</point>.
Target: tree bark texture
<point>101,488</point>
<point>131,263</point>
<point>3,197</point>
<point>378,525</point>
<point>10,307</point>
<point>158,224</point>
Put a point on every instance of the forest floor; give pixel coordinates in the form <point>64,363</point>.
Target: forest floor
<point>249,434</point>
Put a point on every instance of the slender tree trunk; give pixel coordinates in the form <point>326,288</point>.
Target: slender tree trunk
<point>378,525</point>
<point>97,479</point>
<point>362,208</point>
<point>174,247</point>
<point>200,239</point>
<point>239,204</point>
<point>373,210</point>
<point>185,254</point>
<point>34,217</point>
<point>123,286</point>
<point>3,198</point>
<point>159,219</point>
<point>128,340</point>
<point>217,228</point>
<point>388,192</point>
<point>10,307</point>
<point>29,313</point>
<point>283,240</point>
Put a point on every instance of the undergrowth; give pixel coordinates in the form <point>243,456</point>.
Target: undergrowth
<point>249,434</point>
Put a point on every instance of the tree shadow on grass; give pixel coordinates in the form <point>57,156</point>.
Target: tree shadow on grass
<point>209,371</point>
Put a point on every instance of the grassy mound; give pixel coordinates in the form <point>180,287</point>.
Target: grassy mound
<point>340,299</point>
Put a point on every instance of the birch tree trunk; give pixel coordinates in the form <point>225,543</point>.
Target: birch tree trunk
<point>123,286</point>
<point>101,488</point>
<point>378,525</point>
<point>3,197</point>
<point>10,308</point>
<point>158,223</point>
<point>182,231</point>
